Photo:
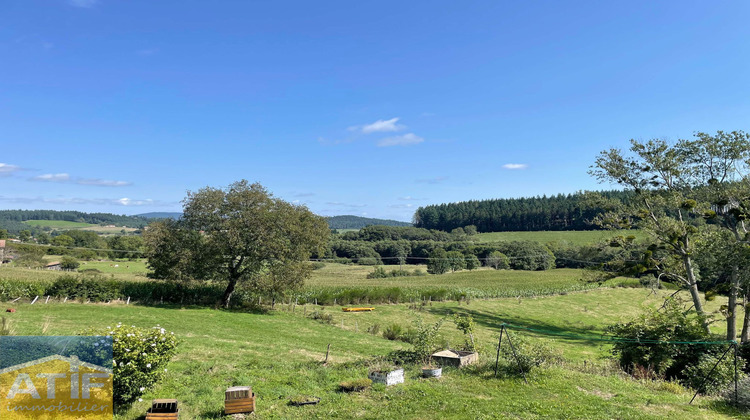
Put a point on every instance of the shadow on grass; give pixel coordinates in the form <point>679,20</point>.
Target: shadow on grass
<point>570,333</point>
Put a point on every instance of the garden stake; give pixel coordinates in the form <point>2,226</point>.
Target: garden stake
<point>328,350</point>
<point>517,360</point>
<point>32,302</point>
<point>705,378</point>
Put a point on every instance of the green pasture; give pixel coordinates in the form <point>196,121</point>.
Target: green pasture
<point>58,224</point>
<point>356,276</point>
<point>279,354</point>
<point>575,237</point>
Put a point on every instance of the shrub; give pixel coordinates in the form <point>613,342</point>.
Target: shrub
<point>69,263</point>
<point>646,336</point>
<point>378,273</point>
<point>393,332</point>
<point>425,339</point>
<point>530,354</point>
<point>92,287</point>
<point>355,385</point>
<point>322,316</point>
<point>743,393</point>
<point>140,356</point>
<point>373,329</point>
<point>318,265</point>
<point>466,325</point>
<point>720,377</point>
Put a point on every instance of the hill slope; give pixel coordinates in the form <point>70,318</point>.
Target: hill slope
<point>356,222</point>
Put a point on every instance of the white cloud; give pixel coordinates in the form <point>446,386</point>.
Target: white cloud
<point>7,169</point>
<point>95,201</point>
<point>515,166</point>
<point>404,140</point>
<point>83,3</point>
<point>401,206</point>
<point>130,202</point>
<point>63,177</point>
<point>102,182</point>
<point>409,198</point>
<point>380,126</point>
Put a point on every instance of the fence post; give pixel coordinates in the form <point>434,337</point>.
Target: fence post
<point>499,343</point>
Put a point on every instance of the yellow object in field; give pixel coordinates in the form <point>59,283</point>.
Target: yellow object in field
<point>357,309</point>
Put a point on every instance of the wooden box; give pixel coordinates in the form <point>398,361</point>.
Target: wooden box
<point>239,399</point>
<point>164,409</point>
<point>455,358</point>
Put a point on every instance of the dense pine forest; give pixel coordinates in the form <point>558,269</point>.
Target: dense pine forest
<point>558,212</point>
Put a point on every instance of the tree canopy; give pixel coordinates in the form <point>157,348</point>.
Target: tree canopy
<point>240,234</point>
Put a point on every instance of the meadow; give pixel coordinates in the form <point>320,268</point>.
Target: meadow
<point>280,355</point>
<point>280,352</point>
<point>575,237</point>
<point>66,225</point>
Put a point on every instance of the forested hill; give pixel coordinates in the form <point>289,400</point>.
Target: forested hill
<point>356,222</point>
<point>12,219</point>
<point>558,212</point>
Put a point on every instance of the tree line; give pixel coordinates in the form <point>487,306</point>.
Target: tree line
<point>12,220</point>
<point>557,212</point>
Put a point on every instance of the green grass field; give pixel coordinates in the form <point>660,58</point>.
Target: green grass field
<point>58,224</point>
<point>339,275</point>
<point>279,354</point>
<point>579,237</point>
<point>65,225</point>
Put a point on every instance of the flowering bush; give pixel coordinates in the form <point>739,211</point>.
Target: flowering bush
<point>139,358</point>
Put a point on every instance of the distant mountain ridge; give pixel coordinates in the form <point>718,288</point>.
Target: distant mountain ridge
<point>12,220</point>
<point>357,222</point>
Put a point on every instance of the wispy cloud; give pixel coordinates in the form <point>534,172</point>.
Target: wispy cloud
<point>401,206</point>
<point>404,140</point>
<point>513,166</point>
<point>436,180</point>
<point>7,169</point>
<point>63,177</point>
<point>410,198</point>
<point>83,3</point>
<point>379,126</point>
<point>96,201</point>
<point>102,182</point>
<point>304,194</point>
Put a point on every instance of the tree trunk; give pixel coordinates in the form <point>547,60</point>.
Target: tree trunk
<point>734,290</point>
<point>693,288</point>
<point>228,293</point>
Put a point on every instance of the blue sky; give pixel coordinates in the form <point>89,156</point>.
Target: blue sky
<point>350,107</point>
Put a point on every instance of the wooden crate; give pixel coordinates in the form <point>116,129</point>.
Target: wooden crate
<point>163,409</point>
<point>239,399</point>
<point>455,358</point>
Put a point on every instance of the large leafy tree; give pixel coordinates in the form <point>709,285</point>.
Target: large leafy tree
<point>660,175</point>
<point>240,234</point>
<point>675,184</point>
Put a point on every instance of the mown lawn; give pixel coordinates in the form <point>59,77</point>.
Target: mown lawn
<point>279,354</point>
